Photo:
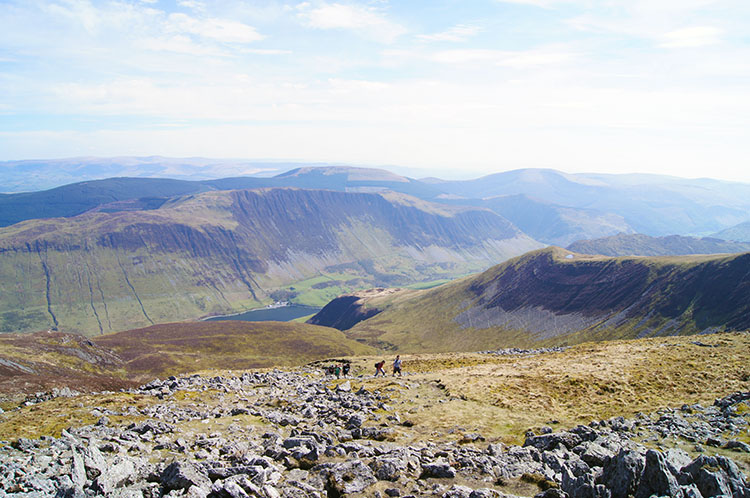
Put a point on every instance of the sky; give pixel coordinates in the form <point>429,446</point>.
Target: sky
<point>451,87</point>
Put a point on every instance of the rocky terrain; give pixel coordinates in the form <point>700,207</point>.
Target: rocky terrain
<point>302,434</point>
<point>292,434</point>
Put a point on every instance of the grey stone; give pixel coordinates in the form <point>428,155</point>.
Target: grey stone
<point>737,446</point>
<point>715,475</point>
<point>356,420</point>
<point>547,442</point>
<point>94,461</point>
<point>595,455</point>
<point>117,474</point>
<point>485,493</point>
<point>349,477</point>
<point>183,475</point>
<point>657,479</point>
<point>388,469</point>
<point>457,491</point>
<point>622,474</point>
<point>440,470</point>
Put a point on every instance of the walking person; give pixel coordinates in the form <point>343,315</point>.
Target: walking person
<point>397,365</point>
<point>379,368</point>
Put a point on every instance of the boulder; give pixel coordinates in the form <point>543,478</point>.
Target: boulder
<point>183,475</point>
<point>657,479</point>
<point>348,477</point>
<point>715,475</point>
<point>622,474</point>
<point>388,469</point>
<point>440,470</point>
<point>547,442</point>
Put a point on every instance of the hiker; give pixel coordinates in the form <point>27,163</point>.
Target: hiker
<point>379,368</point>
<point>345,370</point>
<point>397,365</point>
<point>337,371</point>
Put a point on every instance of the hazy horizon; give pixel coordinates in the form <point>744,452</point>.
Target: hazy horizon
<point>473,87</point>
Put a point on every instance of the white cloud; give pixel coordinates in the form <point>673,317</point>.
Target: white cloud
<point>516,59</point>
<point>368,21</point>
<point>192,4</point>
<point>696,36</point>
<point>458,33</point>
<point>545,3</point>
<point>221,30</point>
<point>178,44</point>
<point>265,51</point>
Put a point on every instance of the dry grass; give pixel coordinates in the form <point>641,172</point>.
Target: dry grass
<point>503,396</point>
<point>445,396</point>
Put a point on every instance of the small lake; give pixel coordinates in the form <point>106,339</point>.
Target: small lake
<point>280,314</point>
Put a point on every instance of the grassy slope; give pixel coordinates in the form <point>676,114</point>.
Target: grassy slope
<point>447,395</point>
<point>174,348</point>
<point>612,298</point>
<point>200,255</point>
<point>505,395</point>
<point>41,361</point>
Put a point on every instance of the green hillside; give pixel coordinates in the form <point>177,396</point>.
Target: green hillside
<point>555,297</point>
<point>227,251</point>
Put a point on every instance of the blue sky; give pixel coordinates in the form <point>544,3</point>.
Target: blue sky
<point>459,87</point>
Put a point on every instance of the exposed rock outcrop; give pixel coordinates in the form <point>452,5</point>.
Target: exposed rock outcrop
<point>289,434</point>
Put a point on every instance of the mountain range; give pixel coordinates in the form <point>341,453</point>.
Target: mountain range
<point>226,251</point>
<point>113,254</point>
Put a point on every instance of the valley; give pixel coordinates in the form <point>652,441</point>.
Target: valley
<point>229,251</point>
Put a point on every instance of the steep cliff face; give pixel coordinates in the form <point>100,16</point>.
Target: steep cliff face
<point>218,252</point>
<point>556,297</point>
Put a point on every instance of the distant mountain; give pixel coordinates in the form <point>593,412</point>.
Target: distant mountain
<point>554,224</point>
<point>654,205</point>
<point>42,174</point>
<point>643,245</point>
<point>223,251</point>
<point>77,198</point>
<point>127,194</point>
<point>740,233</point>
<point>556,297</point>
<point>554,207</point>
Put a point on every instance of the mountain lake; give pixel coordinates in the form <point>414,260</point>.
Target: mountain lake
<point>278,313</point>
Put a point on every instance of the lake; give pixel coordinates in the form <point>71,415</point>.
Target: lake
<point>280,314</point>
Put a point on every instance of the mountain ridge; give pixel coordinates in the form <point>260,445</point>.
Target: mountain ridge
<point>555,297</point>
